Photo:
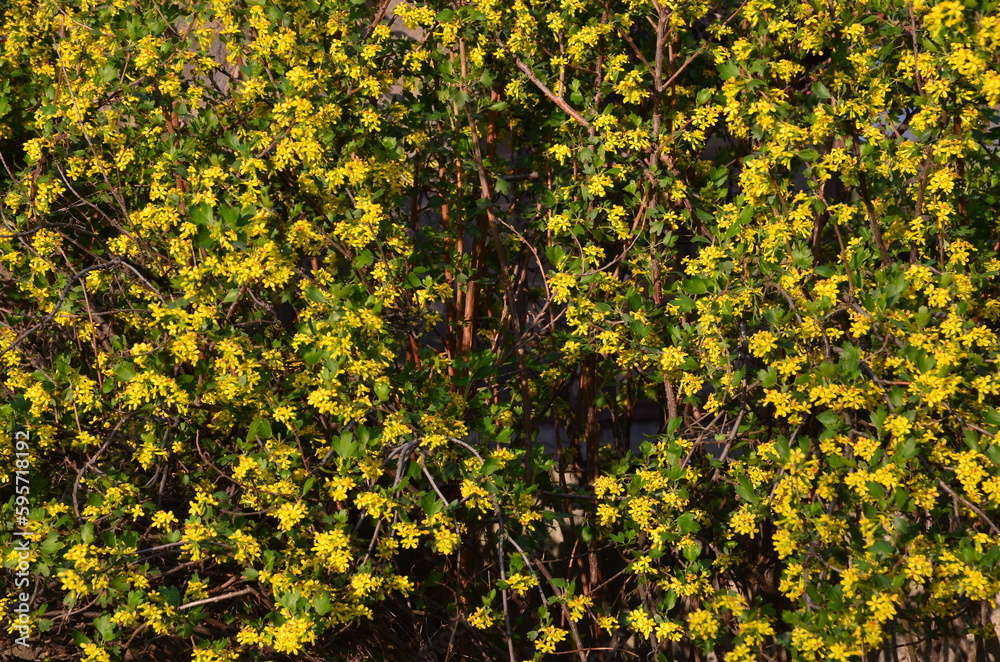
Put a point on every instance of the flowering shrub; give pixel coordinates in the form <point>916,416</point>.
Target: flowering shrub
<point>296,294</point>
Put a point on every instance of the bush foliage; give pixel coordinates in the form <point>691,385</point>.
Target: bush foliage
<point>328,322</point>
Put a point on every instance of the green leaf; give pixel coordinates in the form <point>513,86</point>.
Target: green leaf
<point>104,627</point>
<point>728,70</point>
<point>51,545</point>
<point>363,259</point>
<point>820,90</point>
<point>431,504</point>
<point>908,449</point>
<point>687,523</point>
<point>850,359</point>
<point>260,427</point>
<point>322,604</point>
<point>125,371</point>
<point>171,594</point>
<point>345,446</point>
<point>881,549</point>
<point>768,378</point>
<point>684,304</point>
<point>876,489</point>
<point>314,294</point>
<point>829,419</point>
<point>694,286</point>
<point>744,488</point>
<point>878,417</point>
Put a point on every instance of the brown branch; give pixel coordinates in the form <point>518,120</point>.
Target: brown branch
<point>217,598</point>
<point>59,302</point>
<point>872,219</point>
<point>968,504</point>
<point>552,96</point>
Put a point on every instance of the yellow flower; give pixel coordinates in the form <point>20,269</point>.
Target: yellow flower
<point>94,653</point>
<point>481,619</point>
<point>409,534</point>
<point>668,630</point>
<point>196,590</point>
<point>882,606</point>
<point>607,514</point>
<point>548,637</point>
<point>641,622</point>
<point>445,540</point>
<point>163,519</point>
<point>744,521</point>
<point>897,426</point>
<point>72,581</point>
<point>559,223</point>
<point>477,496</point>
<point>577,605</point>
<point>292,635</point>
<point>521,582</point>
<point>607,623</point>
<point>703,624</point>
<point>209,655</point>
<point>598,184</point>
<point>605,485</point>
<point>671,359</point>
<point>338,487</point>
<point>290,514</point>
<point>805,641</point>
<point>560,284</point>
<point>333,549</point>
<point>364,583</point>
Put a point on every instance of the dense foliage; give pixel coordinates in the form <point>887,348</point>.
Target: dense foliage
<point>295,291</point>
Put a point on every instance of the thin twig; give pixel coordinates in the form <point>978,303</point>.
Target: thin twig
<point>217,598</point>
<point>59,302</point>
